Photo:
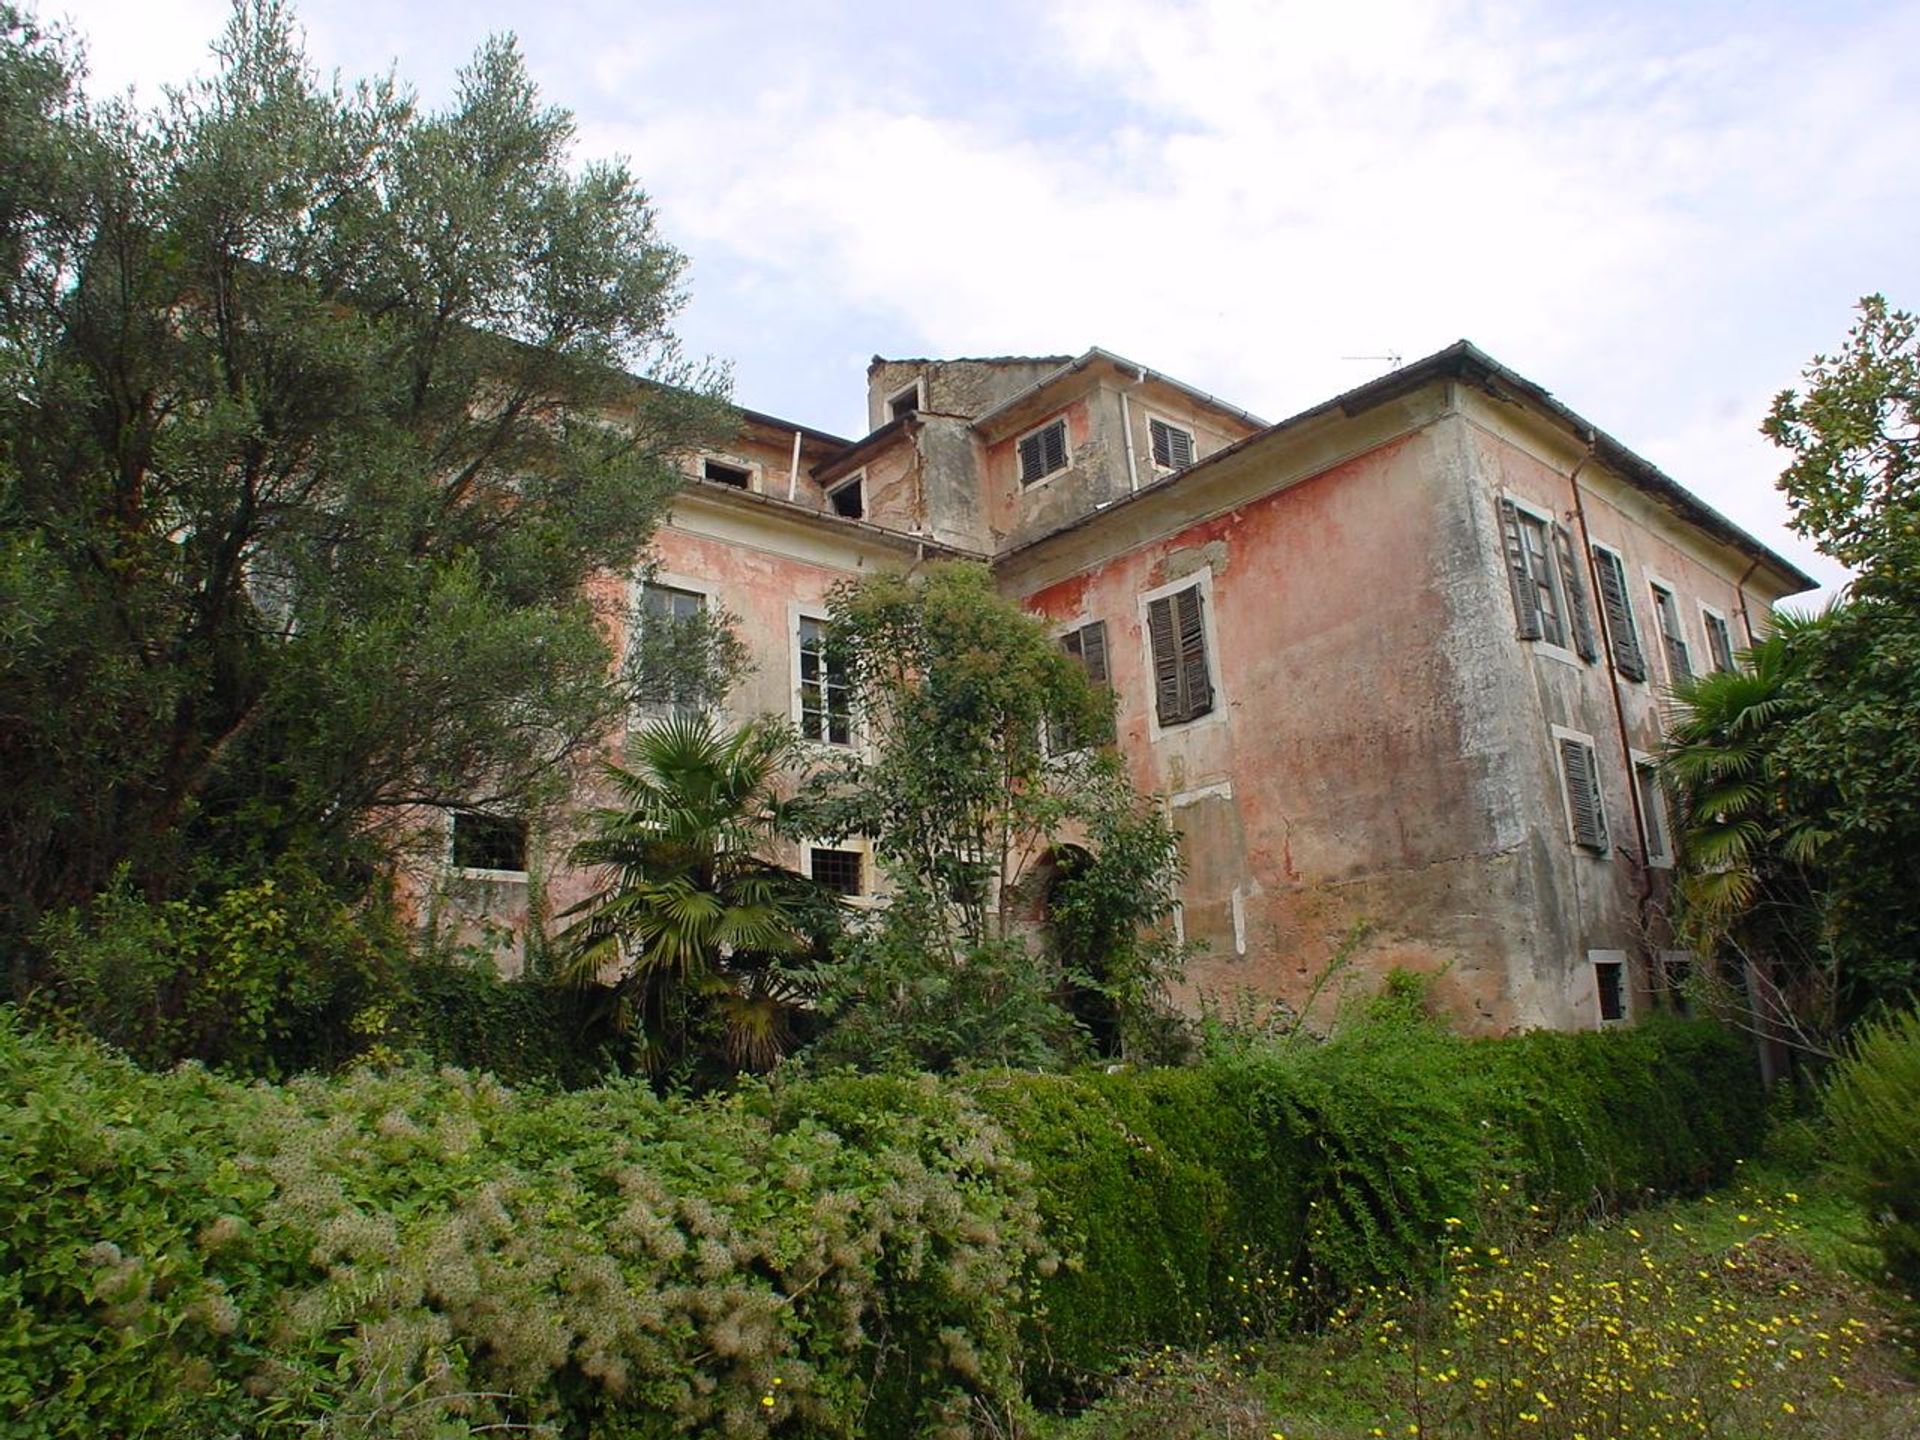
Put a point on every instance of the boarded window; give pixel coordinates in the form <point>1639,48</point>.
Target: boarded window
<point>1672,637</point>
<point>842,871</point>
<point>1582,779</point>
<point>721,473</point>
<point>1087,645</point>
<point>1719,641</point>
<point>826,711</point>
<point>1043,452</point>
<point>850,499</point>
<point>489,842</point>
<point>1616,605</point>
<point>1172,446</point>
<point>1177,631</point>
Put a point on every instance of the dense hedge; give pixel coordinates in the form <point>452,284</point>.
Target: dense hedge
<point>414,1254</point>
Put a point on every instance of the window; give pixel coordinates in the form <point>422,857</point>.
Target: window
<point>841,871</point>
<point>663,678</point>
<point>1087,645</point>
<point>826,712</point>
<point>488,842</point>
<point>905,403</point>
<point>1616,606</point>
<point>1672,637</point>
<point>1653,811</point>
<point>1719,639</point>
<point>849,498</point>
<point>1043,452</point>
<point>1676,976</point>
<point>722,473</point>
<point>1581,777</point>
<point>1610,987</point>
<point>1172,445</point>
<point>1177,633</point>
<point>1549,597</point>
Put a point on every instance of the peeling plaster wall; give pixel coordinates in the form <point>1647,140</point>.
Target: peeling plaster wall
<point>955,387</point>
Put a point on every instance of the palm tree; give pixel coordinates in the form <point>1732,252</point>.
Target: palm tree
<point>708,939</point>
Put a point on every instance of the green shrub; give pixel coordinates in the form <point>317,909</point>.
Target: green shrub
<point>1870,1102</point>
<point>420,1254</point>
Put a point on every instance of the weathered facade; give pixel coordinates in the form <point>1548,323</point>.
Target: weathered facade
<point>1395,664</point>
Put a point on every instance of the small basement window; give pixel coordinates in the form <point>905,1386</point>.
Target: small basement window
<point>850,497</point>
<point>907,402</point>
<point>1043,452</point>
<point>1172,445</point>
<point>721,473</point>
<point>841,871</point>
<point>489,842</point>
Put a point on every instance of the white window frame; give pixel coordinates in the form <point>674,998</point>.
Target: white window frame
<point>1209,617</point>
<point>869,875</point>
<point>1660,582</point>
<point>919,390</point>
<point>1706,636</point>
<point>481,872</point>
<point>858,477</point>
<point>732,462</point>
<point>1597,958</point>
<point>637,583</point>
<point>1543,646</point>
<point>1066,448</point>
<point>1561,732</point>
<point>1663,816</point>
<point>1193,443</point>
<point>796,612</point>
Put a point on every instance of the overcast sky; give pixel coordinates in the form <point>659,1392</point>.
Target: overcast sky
<point>1659,211</point>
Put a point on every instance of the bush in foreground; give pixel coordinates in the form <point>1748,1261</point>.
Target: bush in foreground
<point>1877,1141</point>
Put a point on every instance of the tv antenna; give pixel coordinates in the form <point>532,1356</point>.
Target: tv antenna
<point>1392,357</point>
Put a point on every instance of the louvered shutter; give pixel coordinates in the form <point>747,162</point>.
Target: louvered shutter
<point>1526,600</point>
<point>1583,794</point>
<point>1584,642</point>
<point>1054,444</point>
<point>1032,461</point>
<point>1616,603</point>
<point>1166,661</point>
<point>1093,651</point>
<point>1172,446</point>
<point>1196,685</point>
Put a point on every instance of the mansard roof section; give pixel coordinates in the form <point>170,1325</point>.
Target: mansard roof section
<point>1011,413</point>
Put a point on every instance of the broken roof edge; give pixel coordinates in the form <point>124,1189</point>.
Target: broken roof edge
<point>791,427</point>
<point>1463,360</point>
<point>878,360</point>
<point>1096,354</point>
<point>886,536</point>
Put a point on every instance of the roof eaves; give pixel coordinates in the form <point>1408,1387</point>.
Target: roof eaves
<point>901,540</point>
<point>1119,362</point>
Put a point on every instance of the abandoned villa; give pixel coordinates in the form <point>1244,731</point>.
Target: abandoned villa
<point>1399,659</point>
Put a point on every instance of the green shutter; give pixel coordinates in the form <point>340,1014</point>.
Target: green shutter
<point>1166,661</point>
<point>1616,606</point>
<point>1584,642</point>
<point>1583,794</point>
<point>1526,601</point>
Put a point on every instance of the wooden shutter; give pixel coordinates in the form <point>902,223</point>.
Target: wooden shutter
<point>1616,605</point>
<point>1054,446</point>
<point>1032,461</point>
<point>1093,651</point>
<point>1166,661</point>
<point>1526,600</point>
<point>1584,642</point>
<point>1196,685</point>
<point>1172,446</point>
<point>1583,794</point>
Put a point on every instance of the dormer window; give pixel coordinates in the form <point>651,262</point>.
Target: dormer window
<point>1172,445</point>
<point>907,402</point>
<point>722,473</point>
<point>1043,451</point>
<point>849,497</point>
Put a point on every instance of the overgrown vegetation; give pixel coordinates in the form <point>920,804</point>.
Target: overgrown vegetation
<point>418,1254</point>
<point>1871,1103</point>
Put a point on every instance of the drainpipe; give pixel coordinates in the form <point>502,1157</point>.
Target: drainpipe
<point>1740,589</point>
<point>1644,899</point>
<point>1126,431</point>
<point>793,469</point>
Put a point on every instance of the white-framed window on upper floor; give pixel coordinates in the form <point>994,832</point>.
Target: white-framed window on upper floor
<point>668,620</point>
<point>1086,644</point>
<point>1170,444</point>
<point>1655,814</point>
<point>1674,648</point>
<point>1616,612</point>
<point>1719,638</point>
<point>822,694</point>
<point>733,473</point>
<point>1176,623</point>
<point>1609,985</point>
<point>1043,451</point>
<point>1549,591</point>
<point>1580,788</point>
<point>487,846</point>
<point>908,401</point>
<point>848,497</point>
